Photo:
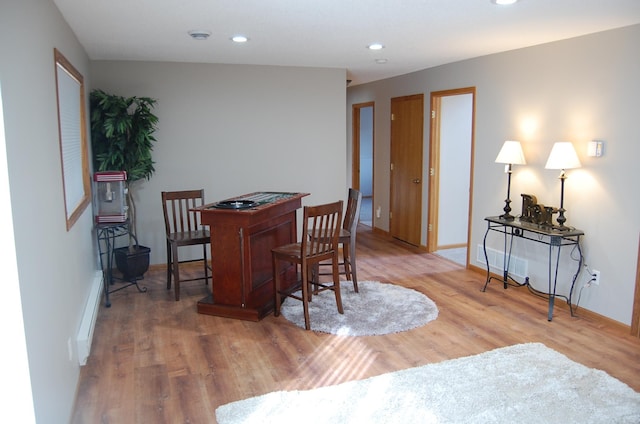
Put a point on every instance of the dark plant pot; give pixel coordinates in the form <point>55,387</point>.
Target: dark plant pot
<point>132,264</point>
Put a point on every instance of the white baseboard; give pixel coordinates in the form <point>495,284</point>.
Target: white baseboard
<point>85,333</point>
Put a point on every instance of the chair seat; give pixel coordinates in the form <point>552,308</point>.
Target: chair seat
<point>343,235</point>
<point>292,251</point>
<point>190,237</point>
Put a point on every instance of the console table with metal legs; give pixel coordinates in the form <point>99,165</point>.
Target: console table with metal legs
<point>555,238</point>
<point>107,234</point>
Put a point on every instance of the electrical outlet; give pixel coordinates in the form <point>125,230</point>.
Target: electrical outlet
<point>596,277</point>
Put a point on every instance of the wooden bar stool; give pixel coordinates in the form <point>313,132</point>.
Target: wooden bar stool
<point>183,228</point>
<point>322,225</point>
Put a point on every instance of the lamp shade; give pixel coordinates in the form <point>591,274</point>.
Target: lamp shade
<point>563,156</point>
<point>511,153</point>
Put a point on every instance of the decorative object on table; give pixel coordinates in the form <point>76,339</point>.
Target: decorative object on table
<point>523,383</point>
<point>122,140</point>
<point>109,197</point>
<point>563,156</point>
<point>535,212</point>
<point>510,154</point>
<point>377,308</point>
<point>235,204</point>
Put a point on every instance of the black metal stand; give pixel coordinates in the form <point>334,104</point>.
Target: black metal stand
<point>106,235</point>
<point>552,237</point>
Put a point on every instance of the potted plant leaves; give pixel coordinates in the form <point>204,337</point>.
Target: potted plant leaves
<point>122,140</point>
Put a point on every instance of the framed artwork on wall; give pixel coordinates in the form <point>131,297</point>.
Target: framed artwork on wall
<point>72,134</point>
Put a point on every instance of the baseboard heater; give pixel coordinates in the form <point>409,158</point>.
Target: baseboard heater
<point>85,333</point>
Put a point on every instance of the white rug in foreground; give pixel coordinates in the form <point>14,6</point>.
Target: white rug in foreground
<point>377,308</point>
<point>526,383</point>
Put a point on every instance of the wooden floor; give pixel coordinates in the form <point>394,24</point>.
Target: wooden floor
<point>155,360</point>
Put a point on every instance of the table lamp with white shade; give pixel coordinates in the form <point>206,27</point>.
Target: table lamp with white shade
<point>563,156</point>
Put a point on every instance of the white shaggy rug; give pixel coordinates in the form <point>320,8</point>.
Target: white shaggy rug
<point>376,309</point>
<point>526,383</point>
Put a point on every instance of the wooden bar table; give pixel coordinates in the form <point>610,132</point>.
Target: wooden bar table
<point>244,229</point>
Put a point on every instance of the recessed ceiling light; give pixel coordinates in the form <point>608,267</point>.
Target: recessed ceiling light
<point>504,2</point>
<point>375,46</point>
<point>239,39</point>
<point>197,34</point>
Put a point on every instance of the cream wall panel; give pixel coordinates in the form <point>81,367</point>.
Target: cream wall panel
<point>235,129</point>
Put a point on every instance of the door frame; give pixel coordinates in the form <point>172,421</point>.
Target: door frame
<point>434,164</point>
<point>355,143</point>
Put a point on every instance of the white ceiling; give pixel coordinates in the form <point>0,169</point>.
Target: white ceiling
<point>417,34</point>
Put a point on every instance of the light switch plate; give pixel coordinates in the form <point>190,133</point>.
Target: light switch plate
<point>595,148</point>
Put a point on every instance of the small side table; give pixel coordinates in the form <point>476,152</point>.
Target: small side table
<point>107,234</point>
<point>550,236</point>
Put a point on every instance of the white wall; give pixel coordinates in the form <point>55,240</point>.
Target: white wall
<point>55,266</point>
<point>17,400</point>
<point>579,89</point>
<point>234,129</point>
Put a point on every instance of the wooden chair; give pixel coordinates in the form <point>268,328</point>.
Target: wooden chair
<point>183,228</point>
<point>347,240</point>
<point>322,223</point>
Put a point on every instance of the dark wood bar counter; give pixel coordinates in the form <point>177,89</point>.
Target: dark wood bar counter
<point>244,229</point>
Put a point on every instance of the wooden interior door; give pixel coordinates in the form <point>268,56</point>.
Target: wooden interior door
<point>407,127</point>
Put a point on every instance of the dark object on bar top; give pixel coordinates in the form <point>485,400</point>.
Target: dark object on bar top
<point>235,204</point>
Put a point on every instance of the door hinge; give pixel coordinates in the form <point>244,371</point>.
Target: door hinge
<point>430,227</point>
<point>390,215</point>
<point>393,117</point>
<point>392,167</point>
<point>432,172</point>
<point>433,114</point>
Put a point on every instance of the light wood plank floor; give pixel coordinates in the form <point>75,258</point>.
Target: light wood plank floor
<point>155,360</point>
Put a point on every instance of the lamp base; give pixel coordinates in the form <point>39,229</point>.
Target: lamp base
<point>561,218</point>
<point>507,208</point>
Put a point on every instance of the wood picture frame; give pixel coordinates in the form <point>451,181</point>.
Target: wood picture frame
<point>72,136</point>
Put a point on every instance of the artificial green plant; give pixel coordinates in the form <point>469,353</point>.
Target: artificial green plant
<point>122,140</point>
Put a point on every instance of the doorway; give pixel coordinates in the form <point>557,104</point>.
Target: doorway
<point>451,164</point>
<point>362,169</point>
<point>407,138</point>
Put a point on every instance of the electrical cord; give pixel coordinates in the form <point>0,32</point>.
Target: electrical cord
<point>585,285</point>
